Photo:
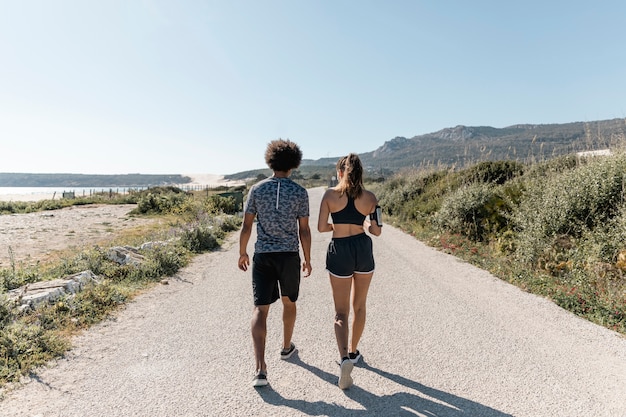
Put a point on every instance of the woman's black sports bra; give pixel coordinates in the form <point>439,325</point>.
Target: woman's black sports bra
<point>348,215</point>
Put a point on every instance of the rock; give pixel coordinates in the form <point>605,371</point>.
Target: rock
<point>152,245</point>
<point>30,296</point>
<point>125,255</point>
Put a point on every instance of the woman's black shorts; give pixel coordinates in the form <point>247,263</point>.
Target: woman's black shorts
<point>349,255</point>
<point>274,270</point>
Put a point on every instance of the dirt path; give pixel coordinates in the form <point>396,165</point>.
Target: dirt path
<point>35,236</point>
<point>442,339</point>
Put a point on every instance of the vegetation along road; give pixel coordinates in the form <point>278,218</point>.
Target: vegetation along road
<point>443,338</point>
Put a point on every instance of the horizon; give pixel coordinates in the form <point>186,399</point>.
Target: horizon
<point>217,177</point>
<point>101,88</point>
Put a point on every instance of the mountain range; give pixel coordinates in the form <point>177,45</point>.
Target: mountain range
<point>466,145</point>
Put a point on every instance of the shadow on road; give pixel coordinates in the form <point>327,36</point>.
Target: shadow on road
<point>427,400</point>
<point>418,399</point>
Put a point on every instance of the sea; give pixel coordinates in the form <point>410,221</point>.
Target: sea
<point>40,193</point>
<point>51,193</point>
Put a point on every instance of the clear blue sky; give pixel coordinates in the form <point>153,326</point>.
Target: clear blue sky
<point>180,86</point>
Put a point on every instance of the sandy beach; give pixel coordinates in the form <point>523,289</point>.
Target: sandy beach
<point>33,237</point>
<point>211,180</point>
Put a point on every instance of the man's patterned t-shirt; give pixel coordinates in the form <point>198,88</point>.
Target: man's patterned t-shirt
<point>278,203</point>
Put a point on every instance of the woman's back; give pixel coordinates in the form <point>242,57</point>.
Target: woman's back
<point>336,202</point>
<point>349,216</point>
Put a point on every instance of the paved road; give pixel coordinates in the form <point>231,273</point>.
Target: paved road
<point>443,339</point>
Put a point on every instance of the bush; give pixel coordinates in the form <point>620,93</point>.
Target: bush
<point>418,195</point>
<point>158,203</point>
<point>474,211</point>
<point>163,261</point>
<point>495,172</point>
<point>24,346</point>
<point>554,166</point>
<point>198,239</point>
<point>5,311</point>
<point>605,242</point>
<point>14,277</point>
<point>222,204</point>
<point>569,203</point>
<point>96,301</point>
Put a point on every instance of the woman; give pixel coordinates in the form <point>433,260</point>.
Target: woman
<point>349,260</point>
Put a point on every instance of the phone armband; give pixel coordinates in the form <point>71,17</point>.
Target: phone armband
<point>378,216</point>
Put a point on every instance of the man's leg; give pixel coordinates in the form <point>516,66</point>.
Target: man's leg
<point>259,332</point>
<point>289,321</point>
<point>289,279</point>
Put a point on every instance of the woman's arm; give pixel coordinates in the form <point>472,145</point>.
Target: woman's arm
<point>375,226</point>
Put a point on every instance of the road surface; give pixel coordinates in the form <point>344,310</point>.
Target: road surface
<point>443,338</point>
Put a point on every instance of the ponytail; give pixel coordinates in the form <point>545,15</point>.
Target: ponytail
<point>352,179</point>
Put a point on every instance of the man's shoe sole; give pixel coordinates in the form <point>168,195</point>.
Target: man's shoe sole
<point>259,382</point>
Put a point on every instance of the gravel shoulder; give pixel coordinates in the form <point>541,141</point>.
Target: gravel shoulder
<point>443,338</point>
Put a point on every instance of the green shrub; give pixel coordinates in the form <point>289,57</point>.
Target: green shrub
<point>15,276</point>
<point>416,196</point>
<point>24,346</point>
<point>554,166</point>
<point>569,203</point>
<point>198,239</point>
<point>158,203</point>
<point>218,204</point>
<point>495,172</point>
<point>5,311</point>
<point>97,300</point>
<point>162,261</point>
<point>604,242</point>
<point>474,211</point>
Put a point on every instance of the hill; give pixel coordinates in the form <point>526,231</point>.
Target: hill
<point>466,145</point>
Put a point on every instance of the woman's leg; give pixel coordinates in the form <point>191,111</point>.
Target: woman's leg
<point>359,300</point>
<point>341,296</point>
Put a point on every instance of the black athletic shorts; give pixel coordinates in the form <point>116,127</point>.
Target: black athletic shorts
<point>273,271</point>
<point>349,255</point>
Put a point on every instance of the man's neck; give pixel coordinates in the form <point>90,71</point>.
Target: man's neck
<point>282,174</point>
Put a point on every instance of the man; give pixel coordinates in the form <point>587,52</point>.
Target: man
<point>282,210</point>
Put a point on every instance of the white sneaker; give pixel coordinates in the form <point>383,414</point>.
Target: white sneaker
<point>345,379</point>
<point>260,379</point>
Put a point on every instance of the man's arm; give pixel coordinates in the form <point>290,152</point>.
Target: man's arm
<point>304,232</point>
<point>244,238</point>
